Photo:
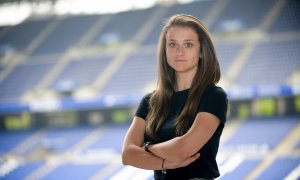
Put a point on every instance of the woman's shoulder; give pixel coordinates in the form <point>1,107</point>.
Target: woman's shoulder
<point>214,90</point>
<point>147,96</point>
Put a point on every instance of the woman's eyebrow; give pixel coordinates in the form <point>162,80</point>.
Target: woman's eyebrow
<point>186,40</point>
<point>189,40</point>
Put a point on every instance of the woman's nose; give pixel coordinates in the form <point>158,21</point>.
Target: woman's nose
<point>179,50</point>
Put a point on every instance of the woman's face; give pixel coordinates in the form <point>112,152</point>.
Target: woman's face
<point>182,49</point>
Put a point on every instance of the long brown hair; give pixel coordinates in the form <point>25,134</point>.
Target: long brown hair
<point>208,73</point>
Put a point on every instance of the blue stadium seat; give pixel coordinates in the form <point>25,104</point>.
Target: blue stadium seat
<point>241,15</point>
<point>122,27</point>
<point>138,69</point>
<point>288,19</point>
<point>20,36</point>
<point>24,77</point>
<point>242,170</point>
<point>83,71</point>
<point>60,140</point>
<point>76,171</point>
<point>10,140</point>
<point>271,62</point>
<point>111,138</point>
<point>280,168</point>
<point>277,129</point>
<point>227,52</point>
<point>66,34</point>
<point>23,170</point>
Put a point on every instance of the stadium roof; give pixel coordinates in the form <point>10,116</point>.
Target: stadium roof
<point>21,1</point>
<point>15,11</point>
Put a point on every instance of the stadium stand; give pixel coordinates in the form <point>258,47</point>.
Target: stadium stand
<point>257,43</point>
<point>137,71</point>
<point>81,71</point>
<point>20,80</point>
<point>9,141</point>
<point>74,171</point>
<point>277,170</point>
<point>273,60</point>
<point>122,27</point>
<point>275,134</point>
<point>109,139</point>
<point>241,171</point>
<point>67,33</point>
<point>227,52</point>
<point>16,41</point>
<point>297,146</point>
<point>288,18</point>
<point>24,170</point>
<point>239,16</point>
<point>241,153</point>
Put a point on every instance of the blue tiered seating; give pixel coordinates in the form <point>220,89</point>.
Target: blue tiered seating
<point>60,140</point>
<point>227,52</point>
<point>271,62</point>
<point>66,34</point>
<point>83,71</point>
<point>277,129</point>
<point>20,36</point>
<point>138,70</point>
<point>23,78</point>
<point>23,170</point>
<point>254,139</point>
<point>280,168</point>
<point>241,15</point>
<point>111,139</point>
<point>122,27</point>
<point>10,140</point>
<point>288,19</point>
<point>3,29</point>
<point>76,171</point>
<point>242,170</point>
<point>298,144</point>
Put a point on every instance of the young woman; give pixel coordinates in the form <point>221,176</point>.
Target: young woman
<point>177,128</point>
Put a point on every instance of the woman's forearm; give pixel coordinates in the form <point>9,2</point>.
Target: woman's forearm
<point>173,150</point>
<point>136,156</point>
<point>185,146</point>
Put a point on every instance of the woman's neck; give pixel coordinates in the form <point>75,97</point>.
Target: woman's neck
<point>183,81</point>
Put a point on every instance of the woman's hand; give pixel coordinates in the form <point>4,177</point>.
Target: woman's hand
<point>174,165</point>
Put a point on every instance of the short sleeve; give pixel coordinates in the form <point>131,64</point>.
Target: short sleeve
<point>214,101</point>
<point>143,108</point>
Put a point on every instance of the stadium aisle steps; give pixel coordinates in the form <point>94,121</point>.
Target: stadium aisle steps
<point>285,147</point>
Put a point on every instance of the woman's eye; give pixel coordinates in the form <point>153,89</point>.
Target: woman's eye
<point>188,45</point>
<point>172,45</point>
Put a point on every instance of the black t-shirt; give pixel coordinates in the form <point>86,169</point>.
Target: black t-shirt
<point>214,101</point>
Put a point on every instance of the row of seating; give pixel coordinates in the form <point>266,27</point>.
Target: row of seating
<point>248,146</point>
<point>271,62</point>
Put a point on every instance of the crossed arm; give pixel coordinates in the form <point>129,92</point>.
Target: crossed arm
<point>177,152</point>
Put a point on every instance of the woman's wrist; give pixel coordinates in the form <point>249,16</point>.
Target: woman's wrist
<point>163,169</point>
<point>146,147</point>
